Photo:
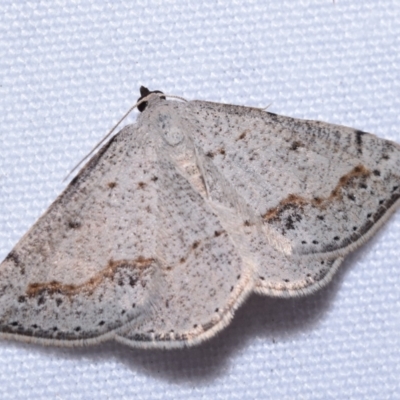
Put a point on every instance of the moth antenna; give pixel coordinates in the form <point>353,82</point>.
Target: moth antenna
<point>115,127</point>
<point>266,108</point>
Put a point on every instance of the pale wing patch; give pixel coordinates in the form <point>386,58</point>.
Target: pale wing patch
<point>85,268</point>
<point>201,278</point>
<point>280,272</point>
<point>323,187</point>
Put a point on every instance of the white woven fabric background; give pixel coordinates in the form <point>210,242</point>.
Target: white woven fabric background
<point>70,69</point>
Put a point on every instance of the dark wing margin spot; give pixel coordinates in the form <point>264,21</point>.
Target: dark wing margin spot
<point>359,142</point>
<point>13,257</point>
<point>295,145</point>
<point>210,154</point>
<point>207,326</point>
<point>74,224</point>
<point>351,197</point>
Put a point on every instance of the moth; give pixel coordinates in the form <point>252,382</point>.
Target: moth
<point>176,220</point>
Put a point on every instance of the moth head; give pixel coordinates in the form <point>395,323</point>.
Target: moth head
<point>144,92</point>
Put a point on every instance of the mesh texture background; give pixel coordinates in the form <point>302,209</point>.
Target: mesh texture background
<point>69,70</point>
